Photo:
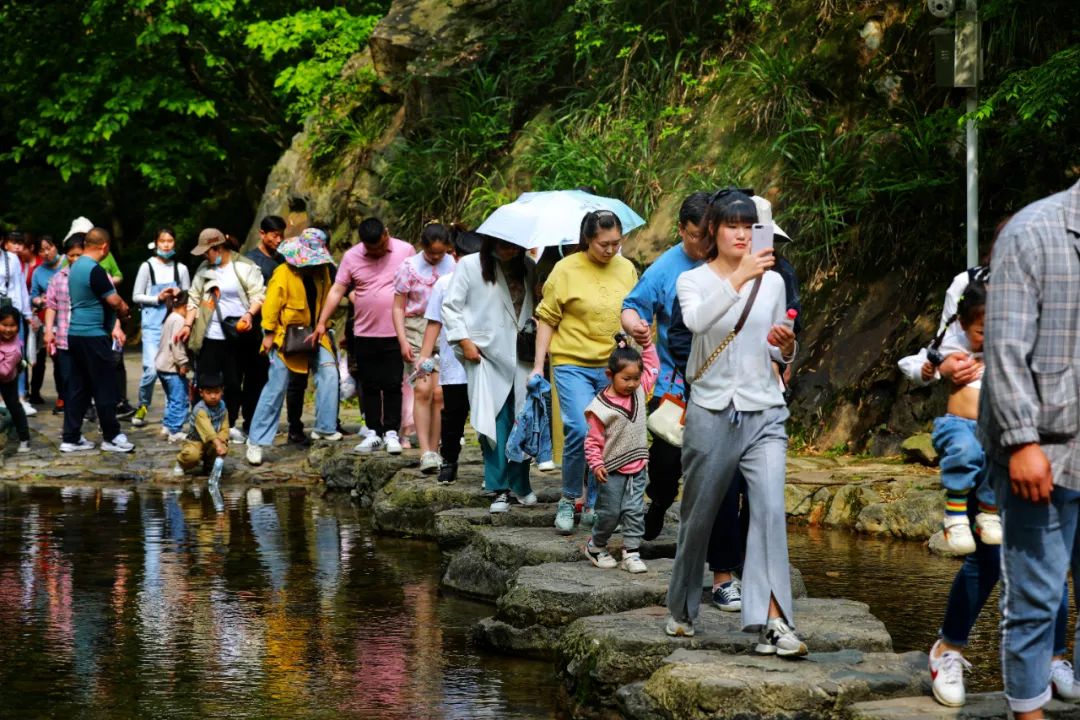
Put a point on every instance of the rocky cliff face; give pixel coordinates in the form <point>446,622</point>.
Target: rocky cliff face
<point>847,393</point>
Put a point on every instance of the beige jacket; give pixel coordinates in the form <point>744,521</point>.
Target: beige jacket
<point>171,355</point>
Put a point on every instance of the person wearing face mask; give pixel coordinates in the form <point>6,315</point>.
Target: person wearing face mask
<point>51,260</point>
<point>294,301</point>
<point>159,279</point>
<point>226,294</point>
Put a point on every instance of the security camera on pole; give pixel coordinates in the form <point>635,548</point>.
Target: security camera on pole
<point>958,63</point>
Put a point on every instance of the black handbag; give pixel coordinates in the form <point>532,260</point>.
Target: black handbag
<point>228,325</point>
<point>526,342</point>
<point>296,340</point>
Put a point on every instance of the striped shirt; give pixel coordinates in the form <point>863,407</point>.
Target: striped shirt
<point>58,299</point>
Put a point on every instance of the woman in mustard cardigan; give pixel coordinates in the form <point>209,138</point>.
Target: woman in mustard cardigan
<point>295,296</point>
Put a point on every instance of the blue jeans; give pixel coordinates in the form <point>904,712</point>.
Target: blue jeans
<point>972,587</point>
<point>500,474</point>
<point>267,413</point>
<point>577,386</point>
<point>151,341</point>
<point>1038,551</point>
<point>176,401</point>
<point>963,460</point>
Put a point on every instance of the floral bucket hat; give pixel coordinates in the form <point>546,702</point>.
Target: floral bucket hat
<point>306,250</point>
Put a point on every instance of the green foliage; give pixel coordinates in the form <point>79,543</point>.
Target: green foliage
<point>775,82</point>
<point>1041,96</point>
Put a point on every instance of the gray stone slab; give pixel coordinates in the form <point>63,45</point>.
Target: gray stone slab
<point>981,706</point>
<point>699,684</point>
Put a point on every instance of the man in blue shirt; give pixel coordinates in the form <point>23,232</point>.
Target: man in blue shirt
<point>95,308</point>
<point>652,299</point>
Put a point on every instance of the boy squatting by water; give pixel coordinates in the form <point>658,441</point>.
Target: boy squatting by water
<point>617,452</point>
<point>208,433</point>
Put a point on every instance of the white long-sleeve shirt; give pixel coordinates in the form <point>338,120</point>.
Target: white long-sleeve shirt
<point>163,271</point>
<point>743,374</point>
<point>13,283</point>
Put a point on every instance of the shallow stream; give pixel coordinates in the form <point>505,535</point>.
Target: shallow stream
<point>162,603</point>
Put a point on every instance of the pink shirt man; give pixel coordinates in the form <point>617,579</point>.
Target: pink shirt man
<point>373,281</point>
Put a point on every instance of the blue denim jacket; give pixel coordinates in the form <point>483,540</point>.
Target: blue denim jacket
<point>531,435</point>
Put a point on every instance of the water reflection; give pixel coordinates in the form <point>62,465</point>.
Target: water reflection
<point>133,603</point>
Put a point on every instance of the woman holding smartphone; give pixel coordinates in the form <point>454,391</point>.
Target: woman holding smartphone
<point>735,421</point>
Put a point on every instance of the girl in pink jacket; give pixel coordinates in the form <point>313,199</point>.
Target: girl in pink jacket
<point>11,364</point>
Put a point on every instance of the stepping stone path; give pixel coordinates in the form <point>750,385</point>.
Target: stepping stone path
<point>597,655</point>
<point>982,706</point>
<point>699,684</point>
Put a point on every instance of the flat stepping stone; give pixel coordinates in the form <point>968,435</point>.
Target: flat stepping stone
<point>408,504</point>
<point>598,654</point>
<point>981,706</point>
<point>455,528</point>
<point>711,684</point>
<point>483,569</point>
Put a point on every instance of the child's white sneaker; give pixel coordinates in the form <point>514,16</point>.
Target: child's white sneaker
<point>988,528</point>
<point>1063,681</point>
<point>393,444</point>
<point>24,446</point>
<point>631,563</point>
<point>599,557</point>
<point>178,436</point>
<point>958,537</point>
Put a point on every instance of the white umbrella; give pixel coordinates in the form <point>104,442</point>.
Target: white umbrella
<point>545,219</point>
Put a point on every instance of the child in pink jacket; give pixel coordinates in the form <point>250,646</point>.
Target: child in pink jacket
<point>11,364</point>
<point>617,451</point>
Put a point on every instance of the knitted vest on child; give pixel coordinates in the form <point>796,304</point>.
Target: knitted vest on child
<point>625,434</point>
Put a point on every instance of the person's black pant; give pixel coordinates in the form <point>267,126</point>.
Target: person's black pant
<point>9,391</point>
<point>727,542</point>
<point>92,374</point>
<point>224,357</point>
<point>455,411</point>
<point>380,373</point>
<point>665,470</point>
<point>294,401</point>
<point>37,375</point>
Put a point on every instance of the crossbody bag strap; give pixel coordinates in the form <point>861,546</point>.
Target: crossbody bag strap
<point>731,335</point>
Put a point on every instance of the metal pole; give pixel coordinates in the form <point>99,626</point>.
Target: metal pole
<point>973,164</point>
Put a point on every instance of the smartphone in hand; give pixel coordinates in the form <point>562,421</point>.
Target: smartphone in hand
<point>761,237</point>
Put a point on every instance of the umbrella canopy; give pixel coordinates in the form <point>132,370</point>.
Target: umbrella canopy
<point>544,219</point>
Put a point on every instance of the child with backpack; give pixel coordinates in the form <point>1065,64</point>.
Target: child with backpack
<point>617,452</point>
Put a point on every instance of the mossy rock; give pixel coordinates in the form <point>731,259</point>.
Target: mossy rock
<point>919,449</point>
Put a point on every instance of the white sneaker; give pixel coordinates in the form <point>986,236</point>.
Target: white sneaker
<point>254,454</point>
<point>778,638</point>
<point>370,444</point>
<point>430,462</point>
<point>527,500</point>
<point>1063,680</point>
<point>674,628</point>
<point>599,557</point>
<point>393,445</point>
<point>631,563</point>
<point>118,444</point>
<point>546,466</point>
<point>328,437</point>
<point>958,537</point>
<point>988,528</point>
<point>501,504</point>
<point>29,409</point>
<point>177,471</point>
<point>237,435</point>
<point>24,446</point>
<point>176,437</point>
<point>947,676</point>
<point>82,446</point>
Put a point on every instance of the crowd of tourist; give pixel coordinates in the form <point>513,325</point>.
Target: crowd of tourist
<point>465,327</point>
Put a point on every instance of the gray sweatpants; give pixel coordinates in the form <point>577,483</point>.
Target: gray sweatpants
<point>715,444</point>
<point>620,499</point>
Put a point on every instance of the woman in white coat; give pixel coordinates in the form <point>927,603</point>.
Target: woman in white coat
<point>489,299</point>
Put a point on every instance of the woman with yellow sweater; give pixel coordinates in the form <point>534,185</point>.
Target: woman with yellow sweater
<point>295,297</point>
<point>578,319</point>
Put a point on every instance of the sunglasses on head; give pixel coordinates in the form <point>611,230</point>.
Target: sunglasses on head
<point>724,192</point>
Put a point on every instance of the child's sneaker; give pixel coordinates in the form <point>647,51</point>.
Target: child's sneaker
<point>139,418</point>
<point>631,563</point>
<point>393,444</point>
<point>728,596</point>
<point>236,435</point>
<point>254,454</point>
<point>526,500</point>
<point>674,628</point>
<point>947,676</point>
<point>599,557</point>
<point>24,446</point>
<point>501,503</point>
<point>1063,680</point>
<point>988,528</point>
<point>778,638</point>
<point>430,462</point>
<point>178,436</point>
<point>545,466</point>
<point>958,537</point>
